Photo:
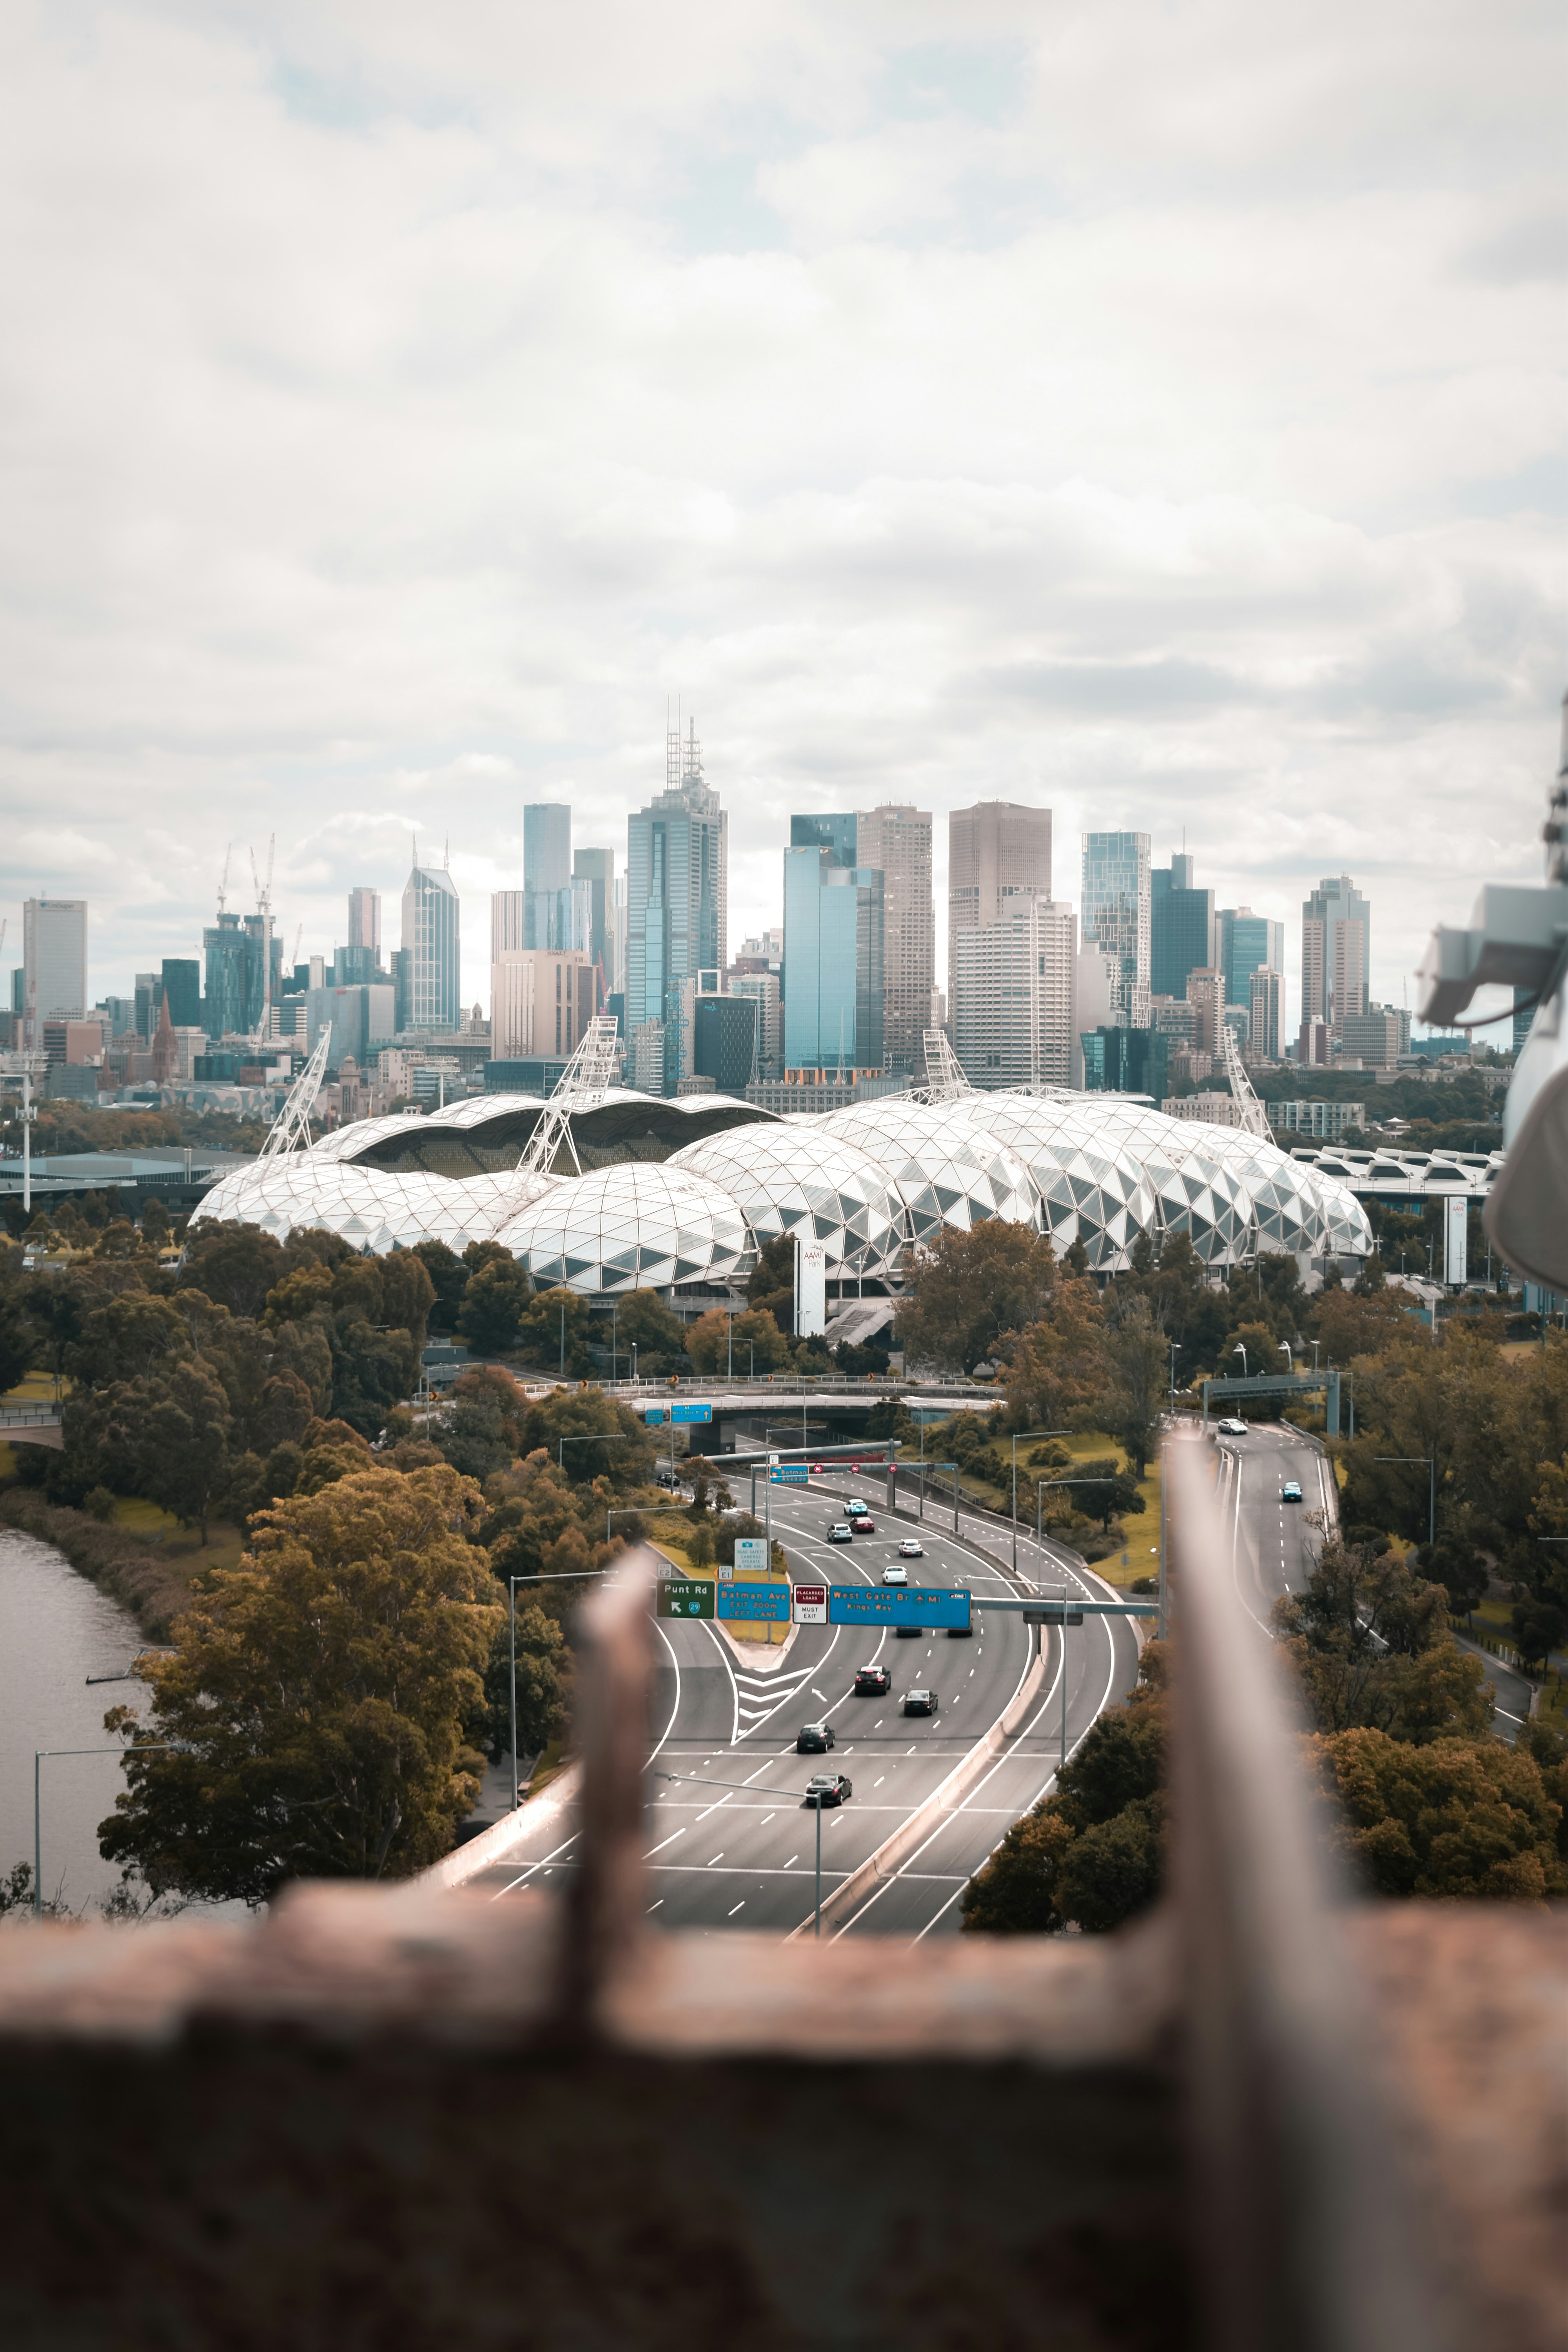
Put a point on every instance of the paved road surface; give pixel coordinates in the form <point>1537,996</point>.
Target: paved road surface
<point>744,1856</point>
<point>1274,1548</point>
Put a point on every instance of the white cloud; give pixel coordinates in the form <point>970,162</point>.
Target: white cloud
<point>1156,414</point>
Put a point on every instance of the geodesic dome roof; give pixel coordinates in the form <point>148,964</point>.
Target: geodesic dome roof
<point>940,1162</point>
<point>644,1224</point>
<point>1092,1188</point>
<point>1290,1214</point>
<point>370,1207</point>
<point>1194,1192</point>
<point>1349,1233</point>
<point>800,1178</point>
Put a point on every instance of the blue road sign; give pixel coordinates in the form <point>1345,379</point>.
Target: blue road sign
<point>755,1604</point>
<point>892,1605</point>
<point>678,1413</point>
<point>790,1474</point>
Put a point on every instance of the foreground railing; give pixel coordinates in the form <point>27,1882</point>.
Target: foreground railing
<point>1260,2118</point>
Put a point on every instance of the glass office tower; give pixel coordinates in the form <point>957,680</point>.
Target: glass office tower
<point>676,902</point>
<point>1117,916</point>
<point>835,937</point>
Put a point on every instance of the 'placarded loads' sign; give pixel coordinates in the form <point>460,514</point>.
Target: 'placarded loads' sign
<point>811,1604</point>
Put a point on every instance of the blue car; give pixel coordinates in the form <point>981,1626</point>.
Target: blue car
<point>1289,1492</point>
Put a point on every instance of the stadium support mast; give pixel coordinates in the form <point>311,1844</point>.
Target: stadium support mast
<point>1253,1117</point>
<point>290,1130</point>
<point>582,1085</point>
<point>945,1080</point>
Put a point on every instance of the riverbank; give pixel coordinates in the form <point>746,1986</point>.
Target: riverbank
<point>148,1576</point>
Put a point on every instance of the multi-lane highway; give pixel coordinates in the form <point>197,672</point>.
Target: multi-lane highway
<point>742,1853</point>
<point>1274,1544</point>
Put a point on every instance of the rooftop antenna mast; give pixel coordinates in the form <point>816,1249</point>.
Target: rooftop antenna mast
<point>582,1086</point>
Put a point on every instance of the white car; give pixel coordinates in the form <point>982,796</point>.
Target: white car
<point>894,1576</point>
<point>840,1532</point>
<point>910,1549</point>
<point>859,1508</point>
<point>1231,1428</point>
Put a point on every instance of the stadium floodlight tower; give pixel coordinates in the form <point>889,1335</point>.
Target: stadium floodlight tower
<point>582,1086</point>
<point>290,1130</point>
<point>1254,1118</point>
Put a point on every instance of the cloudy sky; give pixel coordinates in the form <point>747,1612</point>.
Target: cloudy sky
<point>1152,408</point>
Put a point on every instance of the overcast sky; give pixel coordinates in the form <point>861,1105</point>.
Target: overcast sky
<point>1153,411</point>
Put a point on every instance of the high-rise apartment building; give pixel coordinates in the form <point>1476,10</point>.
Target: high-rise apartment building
<point>676,897</point>
<point>429,982</point>
<point>1336,951</point>
<point>1205,994</point>
<point>762,989</point>
<point>1012,1011</point>
<point>835,934</point>
<point>541,1001</point>
<point>1181,927</point>
<point>54,963</point>
<point>1376,1038</point>
<point>1117,914</point>
<point>998,853</point>
<point>547,845</point>
<point>896,839</point>
<point>1266,1005</point>
<point>365,922</point>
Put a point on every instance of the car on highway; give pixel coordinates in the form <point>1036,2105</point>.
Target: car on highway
<point>1231,1428</point>
<point>873,1682</point>
<point>919,1702</point>
<point>863,1523</point>
<point>827,1789</point>
<point>962,1633</point>
<point>859,1507</point>
<point>894,1576</point>
<point>1289,1492</point>
<point>813,1739</point>
<point>910,1549</point>
<point>840,1532</point>
<point>908,1633</point>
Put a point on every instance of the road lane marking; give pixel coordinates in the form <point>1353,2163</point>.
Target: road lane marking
<point>654,1906</point>
<point>669,1841</point>
<point>718,1857</point>
<point>740,1906</point>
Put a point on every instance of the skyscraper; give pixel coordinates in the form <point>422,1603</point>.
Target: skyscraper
<point>234,954</point>
<point>1011,1015</point>
<point>429,982</point>
<point>182,991</point>
<point>835,933</point>
<point>998,852</point>
<point>1266,1001</point>
<point>594,870</point>
<point>1246,943</point>
<point>896,839</point>
<point>1117,913</point>
<point>54,963</point>
<point>1181,927</point>
<point>676,897</point>
<point>364,921</point>
<point>546,845</point>
<point>1336,951</point>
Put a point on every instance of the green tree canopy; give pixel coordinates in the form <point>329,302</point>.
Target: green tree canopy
<point>1369,1636</point>
<point>316,1696</point>
<point>965,1292</point>
<point>1094,1852</point>
<point>494,1305</point>
<point>1451,1818</point>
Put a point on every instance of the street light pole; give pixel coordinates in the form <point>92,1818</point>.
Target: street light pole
<point>1175,1351</point>
<point>1024,1434</point>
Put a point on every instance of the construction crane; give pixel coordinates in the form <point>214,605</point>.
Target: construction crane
<point>298,937</point>
<point>223,886</point>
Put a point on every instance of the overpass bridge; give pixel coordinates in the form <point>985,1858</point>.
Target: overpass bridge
<point>28,1423</point>
<point>790,1410</point>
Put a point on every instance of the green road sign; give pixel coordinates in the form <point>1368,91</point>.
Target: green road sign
<point>684,1596</point>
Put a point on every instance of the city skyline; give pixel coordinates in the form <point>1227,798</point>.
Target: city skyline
<point>1181,561</point>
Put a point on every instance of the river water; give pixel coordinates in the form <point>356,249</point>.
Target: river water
<point>55,1628</point>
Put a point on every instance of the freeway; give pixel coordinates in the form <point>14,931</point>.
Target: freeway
<point>742,1855</point>
<point>1274,1546</point>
